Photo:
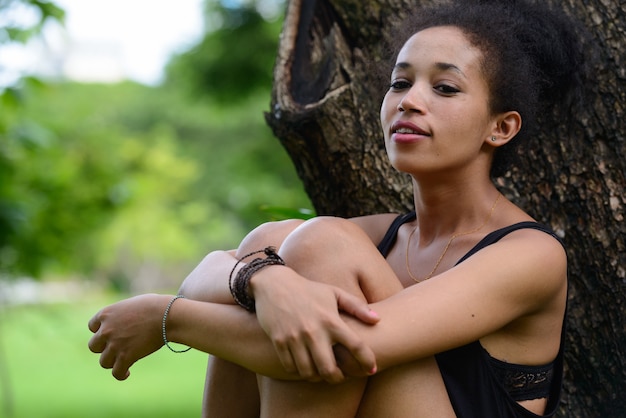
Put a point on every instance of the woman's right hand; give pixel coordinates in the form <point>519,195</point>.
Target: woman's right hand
<point>302,318</point>
<point>128,331</point>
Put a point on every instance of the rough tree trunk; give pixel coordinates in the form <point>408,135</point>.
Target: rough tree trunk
<point>326,116</point>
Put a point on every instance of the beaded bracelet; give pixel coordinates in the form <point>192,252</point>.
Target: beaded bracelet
<point>239,286</point>
<point>167,310</point>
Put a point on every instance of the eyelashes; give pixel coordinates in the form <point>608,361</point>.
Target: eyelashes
<point>399,85</point>
<point>447,89</point>
<point>441,88</point>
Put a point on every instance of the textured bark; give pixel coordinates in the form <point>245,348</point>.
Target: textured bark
<point>326,116</point>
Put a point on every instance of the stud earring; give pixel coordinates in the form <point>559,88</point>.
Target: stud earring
<point>493,139</point>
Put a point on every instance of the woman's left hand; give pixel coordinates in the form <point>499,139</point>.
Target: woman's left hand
<point>127,331</point>
<point>302,318</point>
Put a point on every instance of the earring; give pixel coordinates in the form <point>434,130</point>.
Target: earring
<point>493,139</point>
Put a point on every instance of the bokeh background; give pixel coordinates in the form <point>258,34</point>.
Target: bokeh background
<point>132,142</point>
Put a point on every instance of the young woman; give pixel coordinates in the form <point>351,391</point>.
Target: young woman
<point>455,309</point>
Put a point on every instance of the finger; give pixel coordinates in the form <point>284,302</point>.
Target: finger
<point>107,359</point>
<point>355,307</point>
<point>362,353</point>
<point>323,356</point>
<point>303,361</point>
<point>285,357</point>
<point>96,343</point>
<point>121,369</point>
<point>111,359</point>
<point>94,323</point>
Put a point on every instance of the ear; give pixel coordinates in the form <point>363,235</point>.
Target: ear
<point>505,127</point>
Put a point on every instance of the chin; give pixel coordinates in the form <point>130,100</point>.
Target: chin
<point>402,165</point>
<point>402,159</point>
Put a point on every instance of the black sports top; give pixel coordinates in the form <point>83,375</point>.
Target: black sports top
<point>478,385</point>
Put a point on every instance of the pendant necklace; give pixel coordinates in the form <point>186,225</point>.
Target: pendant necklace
<point>445,250</point>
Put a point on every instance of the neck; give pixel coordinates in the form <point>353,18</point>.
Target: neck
<point>445,211</point>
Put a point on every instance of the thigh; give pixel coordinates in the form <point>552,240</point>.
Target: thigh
<point>410,390</point>
<point>338,252</point>
<point>309,400</point>
<point>229,391</point>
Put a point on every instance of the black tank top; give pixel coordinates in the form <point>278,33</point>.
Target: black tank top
<point>478,385</point>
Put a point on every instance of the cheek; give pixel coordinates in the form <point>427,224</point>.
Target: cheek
<point>463,121</point>
<point>460,124</point>
<point>386,113</point>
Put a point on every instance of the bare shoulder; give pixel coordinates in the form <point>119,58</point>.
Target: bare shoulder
<point>375,226</point>
<point>529,264</point>
<point>523,275</point>
<point>545,253</point>
<point>542,247</point>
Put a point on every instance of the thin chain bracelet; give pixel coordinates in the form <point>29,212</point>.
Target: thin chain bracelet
<point>167,310</point>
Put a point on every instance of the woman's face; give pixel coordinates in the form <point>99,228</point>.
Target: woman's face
<point>435,116</point>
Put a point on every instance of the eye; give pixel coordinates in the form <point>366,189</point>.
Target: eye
<point>397,85</point>
<point>446,89</point>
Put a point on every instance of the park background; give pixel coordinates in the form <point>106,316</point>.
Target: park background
<point>113,193</point>
<point>116,180</point>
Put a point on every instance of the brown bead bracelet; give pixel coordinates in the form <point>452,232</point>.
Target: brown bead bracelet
<point>239,285</point>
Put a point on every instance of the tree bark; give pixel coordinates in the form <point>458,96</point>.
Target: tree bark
<point>326,116</point>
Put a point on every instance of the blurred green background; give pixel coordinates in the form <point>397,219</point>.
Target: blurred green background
<point>108,190</point>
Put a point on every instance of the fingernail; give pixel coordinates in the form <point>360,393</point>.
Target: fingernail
<point>374,313</point>
<point>373,371</point>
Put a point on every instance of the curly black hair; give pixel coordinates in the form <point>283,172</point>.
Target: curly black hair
<point>533,58</point>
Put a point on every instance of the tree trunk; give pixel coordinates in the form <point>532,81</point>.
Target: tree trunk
<point>324,113</point>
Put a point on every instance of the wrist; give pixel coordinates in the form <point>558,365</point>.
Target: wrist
<point>168,325</point>
<point>260,284</point>
<point>239,283</point>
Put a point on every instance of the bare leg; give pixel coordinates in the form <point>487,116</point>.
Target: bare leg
<point>231,390</point>
<point>339,253</point>
<point>336,252</point>
<point>409,390</point>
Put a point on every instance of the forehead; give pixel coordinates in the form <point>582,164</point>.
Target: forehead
<point>441,44</point>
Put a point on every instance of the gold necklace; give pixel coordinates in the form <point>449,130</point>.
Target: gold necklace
<point>445,250</point>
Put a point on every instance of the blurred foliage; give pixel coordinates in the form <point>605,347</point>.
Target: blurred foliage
<point>13,29</point>
<point>19,136</point>
<point>125,180</point>
<point>233,62</point>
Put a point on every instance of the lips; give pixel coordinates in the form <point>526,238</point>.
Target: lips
<point>403,131</point>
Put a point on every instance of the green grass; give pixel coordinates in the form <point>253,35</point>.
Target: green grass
<point>52,373</point>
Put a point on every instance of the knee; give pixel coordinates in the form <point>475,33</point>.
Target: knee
<point>268,234</point>
<point>324,236</point>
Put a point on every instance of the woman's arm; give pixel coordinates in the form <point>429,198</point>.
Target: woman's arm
<point>209,280</point>
<point>132,329</point>
<point>521,275</point>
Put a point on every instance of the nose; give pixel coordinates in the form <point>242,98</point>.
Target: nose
<point>412,101</point>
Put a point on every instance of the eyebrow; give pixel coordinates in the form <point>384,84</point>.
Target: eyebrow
<point>445,66</point>
<point>442,66</point>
